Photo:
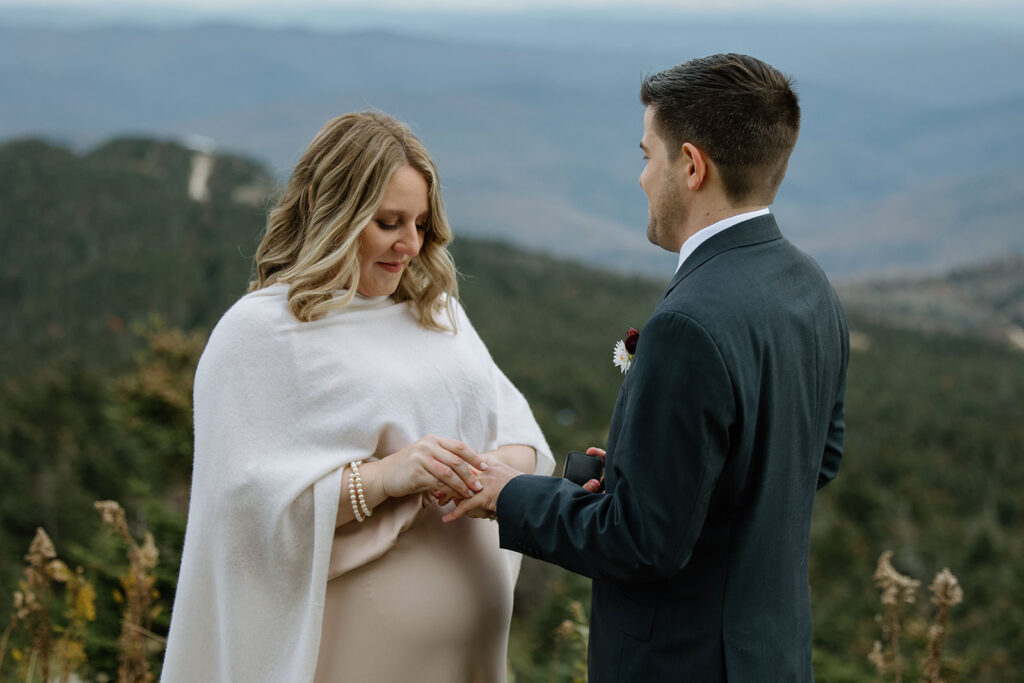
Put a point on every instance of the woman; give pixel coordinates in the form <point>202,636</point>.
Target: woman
<point>315,547</point>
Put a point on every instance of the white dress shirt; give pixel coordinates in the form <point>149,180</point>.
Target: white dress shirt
<point>698,238</point>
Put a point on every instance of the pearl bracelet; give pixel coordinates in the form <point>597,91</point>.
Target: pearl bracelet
<point>355,493</point>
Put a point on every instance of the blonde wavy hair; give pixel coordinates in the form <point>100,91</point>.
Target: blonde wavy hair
<point>311,241</point>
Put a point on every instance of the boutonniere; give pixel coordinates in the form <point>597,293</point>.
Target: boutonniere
<point>622,354</point>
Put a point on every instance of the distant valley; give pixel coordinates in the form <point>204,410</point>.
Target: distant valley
<point>985,300</point>
<point>908,159</point>
<point>139,225</point>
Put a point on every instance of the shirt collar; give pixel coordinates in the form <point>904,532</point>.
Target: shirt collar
<point>701,236</point>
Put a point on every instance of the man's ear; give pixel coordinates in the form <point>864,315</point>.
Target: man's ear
<point>694,166</point>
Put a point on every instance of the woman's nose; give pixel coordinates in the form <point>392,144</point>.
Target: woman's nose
<point>409,241</point>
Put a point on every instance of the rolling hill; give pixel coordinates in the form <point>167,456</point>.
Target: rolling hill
<point>100,242</point>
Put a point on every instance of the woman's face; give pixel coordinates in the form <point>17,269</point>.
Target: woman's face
<point>395,235</point>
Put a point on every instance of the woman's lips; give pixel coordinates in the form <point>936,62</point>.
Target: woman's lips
<point>391,267</point>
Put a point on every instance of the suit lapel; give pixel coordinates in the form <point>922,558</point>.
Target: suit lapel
<point>749,232</point>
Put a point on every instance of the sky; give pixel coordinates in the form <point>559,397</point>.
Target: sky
<point>483,6</point>
<point>1005,15</point>
<point>353,14</point>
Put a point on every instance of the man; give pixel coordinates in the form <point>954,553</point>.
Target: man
<point>728,420</point>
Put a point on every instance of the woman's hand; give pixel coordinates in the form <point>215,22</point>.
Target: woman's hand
<point>429,464</point>
<point>522,458</point>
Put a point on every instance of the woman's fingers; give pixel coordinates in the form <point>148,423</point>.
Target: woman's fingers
<point>463,451</point>
<point>433,463</point>
<point>447,491</point>
<point>594,450</point>
<point>454,458</point>
<point>449,476</point>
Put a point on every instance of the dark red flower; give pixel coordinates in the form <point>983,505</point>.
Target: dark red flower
<point>632,337</point>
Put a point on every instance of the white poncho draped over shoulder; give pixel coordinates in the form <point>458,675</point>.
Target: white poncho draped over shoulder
<point>280,408</point>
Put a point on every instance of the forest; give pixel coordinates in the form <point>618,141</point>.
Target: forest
<point>114,278</point>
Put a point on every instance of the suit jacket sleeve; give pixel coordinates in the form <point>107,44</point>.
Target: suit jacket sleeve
<point>669,440</point>
<point>834,442</point>
<point>833,452</point>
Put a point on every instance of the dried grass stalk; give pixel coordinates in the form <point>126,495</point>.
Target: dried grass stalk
<point>134,644</point>
<point>897,590</point>
<point>80,608</point>
<point>946,593</point>
<point>32,609</point>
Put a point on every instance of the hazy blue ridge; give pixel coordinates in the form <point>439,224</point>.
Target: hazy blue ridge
<point>535,121</point>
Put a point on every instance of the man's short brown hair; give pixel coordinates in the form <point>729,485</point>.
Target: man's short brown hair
<point>741,112</point>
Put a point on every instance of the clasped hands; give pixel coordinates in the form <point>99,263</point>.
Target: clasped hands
<point>438,468</point>
<point>484,502</point>
<point>446,470</point>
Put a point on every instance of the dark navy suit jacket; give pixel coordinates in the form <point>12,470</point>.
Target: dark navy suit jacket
<point>729,419</point>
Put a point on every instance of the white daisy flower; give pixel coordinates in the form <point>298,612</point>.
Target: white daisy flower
<point>620,357</point>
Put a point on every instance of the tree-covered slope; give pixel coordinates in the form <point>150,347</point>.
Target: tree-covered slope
<point>96,243</point>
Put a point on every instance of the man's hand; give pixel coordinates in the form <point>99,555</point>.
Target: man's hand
<point>484,503</point>
<point>594,485</point>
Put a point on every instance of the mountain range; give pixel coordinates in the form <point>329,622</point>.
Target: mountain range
<point>139,225</point>
<point>985,300</point>
<point>908,159</point>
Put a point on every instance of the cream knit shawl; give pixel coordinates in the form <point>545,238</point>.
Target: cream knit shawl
<point>280,408</point>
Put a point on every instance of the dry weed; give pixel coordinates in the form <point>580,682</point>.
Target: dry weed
<point>32,611</point>
<point>899,590</point>
<point>139,595</point>
<point>946,593</point>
